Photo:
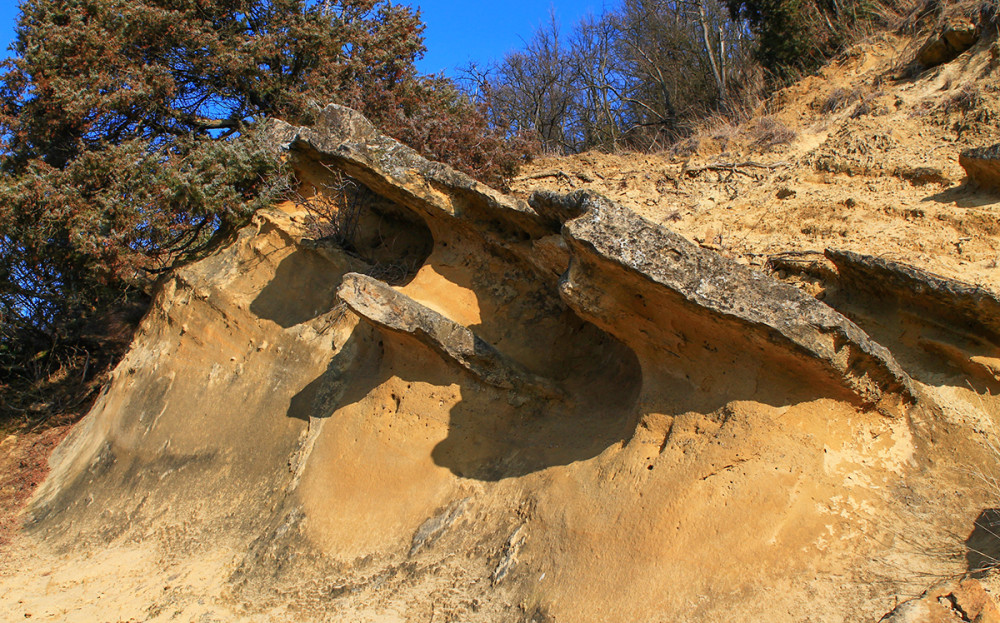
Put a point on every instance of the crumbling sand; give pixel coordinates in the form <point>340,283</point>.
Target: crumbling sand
<point>884,182</point>
<point>263,454</point>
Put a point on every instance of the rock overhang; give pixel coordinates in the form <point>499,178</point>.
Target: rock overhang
<point>777,320</point>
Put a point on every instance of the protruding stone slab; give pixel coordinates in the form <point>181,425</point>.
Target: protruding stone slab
<point>346,139</point>
<point>982,165</point>
<point>558,207</point>
<point>389,309</point>
<point>952,302</point>
<point>670,276</point>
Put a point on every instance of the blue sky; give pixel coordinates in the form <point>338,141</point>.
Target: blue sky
<point>458,31</point>
<point>8,13</point>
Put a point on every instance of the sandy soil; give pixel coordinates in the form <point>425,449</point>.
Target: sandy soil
<point>873,168</point>
<point>231,475</point>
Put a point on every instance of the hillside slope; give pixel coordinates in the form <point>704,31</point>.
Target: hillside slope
<point>759,383</point>
<point>856,158</point>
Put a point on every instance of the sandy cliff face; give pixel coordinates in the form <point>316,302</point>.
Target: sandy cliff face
<point>467,406</point>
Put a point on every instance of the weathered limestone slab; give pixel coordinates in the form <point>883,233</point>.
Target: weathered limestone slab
<point>747,304</point>
<point>558,207</point>
<point>345,139</point>
<point>389,309</point>
<point>789,324</point>
<point>953,302</point>
<point>982,165</point>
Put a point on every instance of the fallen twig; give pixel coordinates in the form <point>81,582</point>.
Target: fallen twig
<point>544,174</point>
<point>734,167</point>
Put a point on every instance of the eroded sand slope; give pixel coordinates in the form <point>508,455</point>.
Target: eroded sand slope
<point>554,408</point>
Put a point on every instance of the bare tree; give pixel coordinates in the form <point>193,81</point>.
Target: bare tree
<point>531,89</point>
<point>600,83</point>
<point>634,77</point>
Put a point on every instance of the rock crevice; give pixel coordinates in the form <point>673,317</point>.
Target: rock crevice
<point>380,304</point>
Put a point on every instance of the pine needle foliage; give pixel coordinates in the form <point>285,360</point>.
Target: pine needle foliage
<point>132,139</point>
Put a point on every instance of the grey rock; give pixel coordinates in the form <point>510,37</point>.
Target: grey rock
<point>954,303</point>
<point>346,140</point>
<point>558,207</point>
<point>434,527</point>
<point>755,305</point>
<point>982,165</point>
<point>389,309</point>
<point>952,601</point>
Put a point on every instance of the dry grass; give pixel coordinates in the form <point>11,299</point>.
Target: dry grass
<point>839,99</point>
<point>769,132</point>
<point>720,134</point>
<point>923,20</point>
<point>964,100</point>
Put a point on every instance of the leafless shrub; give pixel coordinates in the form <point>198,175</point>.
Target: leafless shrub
<point>967,98</point>
<point>398,272</point>
<point>344,213</point>
<point>769,132</point>
<point>868,105</point>
<point>333,207</point>
<point>839,99</point>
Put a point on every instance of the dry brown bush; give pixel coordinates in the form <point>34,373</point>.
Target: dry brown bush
<point>840,99</point>
<point>769,132</point>
<point>965,99</point>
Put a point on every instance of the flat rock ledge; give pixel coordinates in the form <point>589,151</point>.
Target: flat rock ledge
<point>754,303</point>
<point>346,140</point>
<point>384,307</point>
<point>982,165</point>
<point>953,302</point>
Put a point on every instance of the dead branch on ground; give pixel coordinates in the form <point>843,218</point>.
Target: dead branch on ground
<point>735,167</point>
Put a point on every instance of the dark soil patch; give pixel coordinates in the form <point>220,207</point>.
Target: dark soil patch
<point>24,463</point>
